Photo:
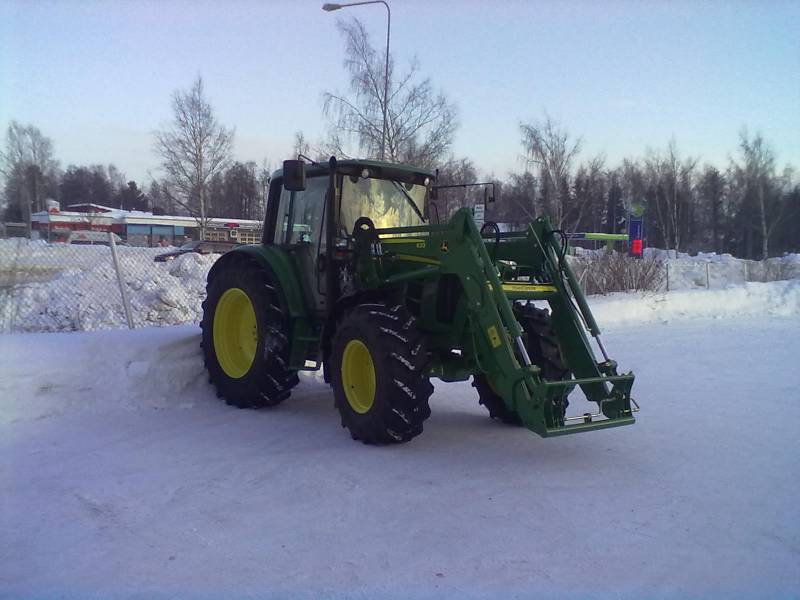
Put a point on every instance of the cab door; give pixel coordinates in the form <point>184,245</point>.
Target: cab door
<point>300,228</point>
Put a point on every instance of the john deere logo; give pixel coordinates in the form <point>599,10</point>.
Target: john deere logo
<point>443,247</point>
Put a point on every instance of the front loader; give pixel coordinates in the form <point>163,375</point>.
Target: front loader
<point>352,277</point>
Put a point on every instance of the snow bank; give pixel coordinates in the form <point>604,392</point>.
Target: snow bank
<point>709,270</point>
<point>713,271</point>
<point>61,287</point>
<point>148,368</point>
<point>778,298</point>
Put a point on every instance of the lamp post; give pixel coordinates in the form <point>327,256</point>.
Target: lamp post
<point>330,8</point>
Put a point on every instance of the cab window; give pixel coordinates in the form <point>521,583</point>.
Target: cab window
<point>300,213</point>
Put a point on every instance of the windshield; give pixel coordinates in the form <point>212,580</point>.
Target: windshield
<point>388,203</point>
<point>190,245</point>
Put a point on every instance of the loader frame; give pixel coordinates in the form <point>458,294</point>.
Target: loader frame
<point>483,335</point>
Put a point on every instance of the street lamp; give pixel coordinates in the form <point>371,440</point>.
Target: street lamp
<point>330,8</point>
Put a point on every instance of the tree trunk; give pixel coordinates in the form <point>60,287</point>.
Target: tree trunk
<point>764,230</point>
<point>675,215</point>
<point>715,224</point>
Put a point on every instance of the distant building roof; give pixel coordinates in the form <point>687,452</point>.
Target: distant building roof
<point>89,207</point>
<point>103,214</point>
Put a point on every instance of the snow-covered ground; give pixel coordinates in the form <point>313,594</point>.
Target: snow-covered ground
<point>121,475</point>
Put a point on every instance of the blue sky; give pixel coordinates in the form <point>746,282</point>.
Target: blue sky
<point>96,77</point>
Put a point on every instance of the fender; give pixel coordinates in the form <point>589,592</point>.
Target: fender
<point>304,341</point>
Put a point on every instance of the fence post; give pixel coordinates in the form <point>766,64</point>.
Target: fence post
<point>744,262</point>
<point>667,265</point>
<point>591,279</point>
<point>708,279</point>
<point>120,280</point>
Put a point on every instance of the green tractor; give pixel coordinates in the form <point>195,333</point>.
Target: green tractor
<point>352,276</point>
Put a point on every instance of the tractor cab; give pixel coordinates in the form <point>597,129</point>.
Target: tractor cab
<point>389,195</point>
<point>299,205</point>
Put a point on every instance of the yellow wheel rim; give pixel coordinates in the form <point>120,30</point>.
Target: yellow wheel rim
<point>358,376</point>
<point>235,333</point>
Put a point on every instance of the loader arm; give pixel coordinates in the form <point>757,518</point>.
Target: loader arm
<point>493,340</point>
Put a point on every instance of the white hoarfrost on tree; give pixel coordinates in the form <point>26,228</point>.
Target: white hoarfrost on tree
<point>192,150</point>
<point>420,122</point>
<point>550,149</point>
<point>756,174</point>
<point>673,179</point>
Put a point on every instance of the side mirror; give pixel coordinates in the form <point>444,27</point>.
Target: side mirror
<point>294,175</point>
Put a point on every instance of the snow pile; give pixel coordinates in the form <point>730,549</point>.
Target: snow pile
<point>710,270</point>
<point>713,271</point>
<point>61,287</point>
<point>148,368</point>
<point>777,298</point>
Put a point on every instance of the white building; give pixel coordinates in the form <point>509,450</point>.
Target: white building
<point>138,228</point>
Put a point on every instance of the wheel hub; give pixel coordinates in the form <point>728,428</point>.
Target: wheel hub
<point>235,333</point>
<point>358,376</point>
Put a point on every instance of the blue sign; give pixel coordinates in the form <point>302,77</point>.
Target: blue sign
<point>635,228</point>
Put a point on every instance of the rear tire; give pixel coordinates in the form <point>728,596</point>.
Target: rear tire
<point>379,374</point>
<point>544,352</point>
<point>245,344</point>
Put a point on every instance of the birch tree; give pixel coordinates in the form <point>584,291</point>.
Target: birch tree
<point>420,124</point>
<point>757,170</point>
<point>550,149</point>
<point>193,149</point>
<point>29,172</point>
<point>680,183</point>
<point>669,192</point>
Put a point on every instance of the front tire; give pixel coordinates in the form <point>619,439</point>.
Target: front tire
<point>379,376</point>
<point>245,346</point>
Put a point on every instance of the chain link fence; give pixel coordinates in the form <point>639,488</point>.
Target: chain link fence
<point>688,274</point>
<point>603,272</point>
<point>72,287</point>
